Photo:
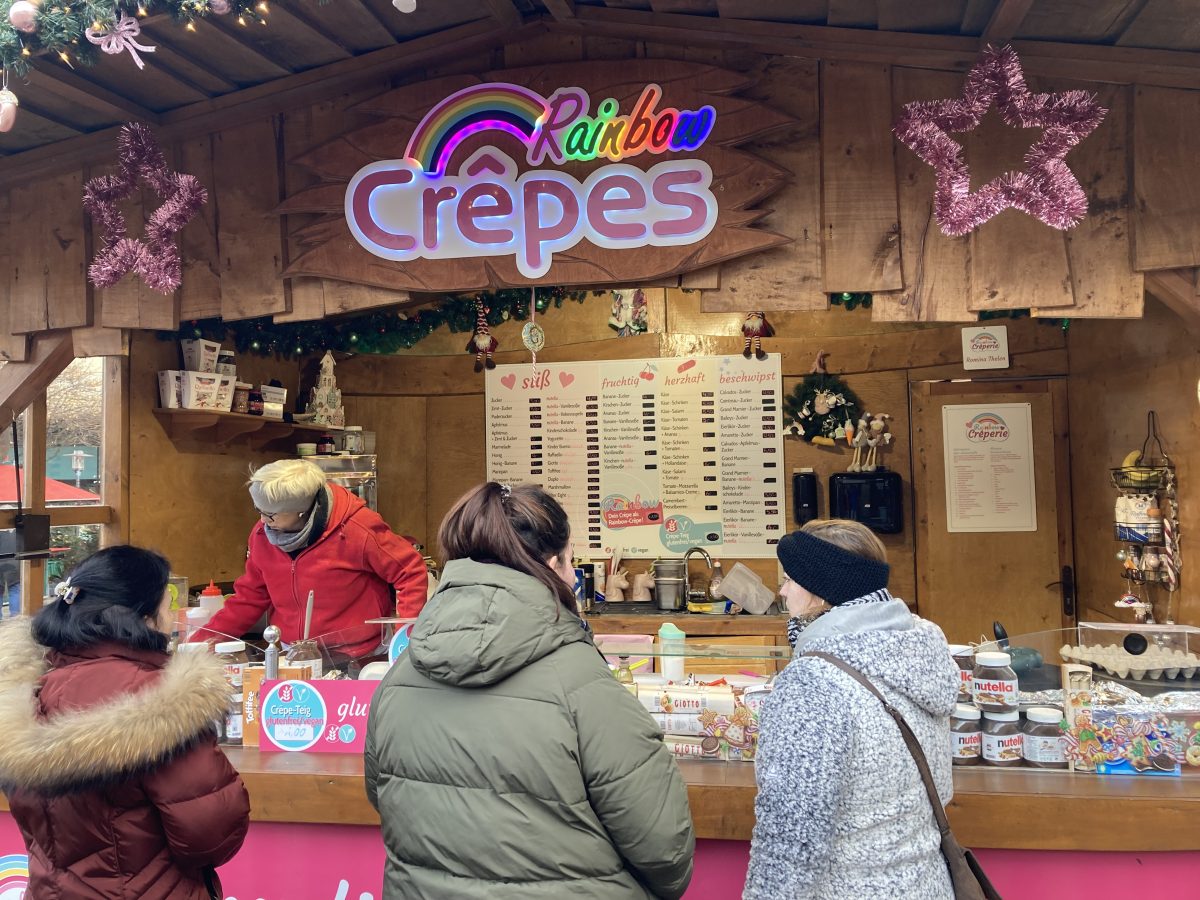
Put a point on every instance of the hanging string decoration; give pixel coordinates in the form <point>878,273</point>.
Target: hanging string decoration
<point>156,259</point>
<point>382,332</point>
<point>1045,189</point>
<point>821,409</point>
<point>533,336</point>
<point>74,31</point>
<point>482,343</point>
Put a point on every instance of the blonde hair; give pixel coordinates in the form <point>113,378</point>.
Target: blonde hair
<point>853,537</point>
<point>287,483</point>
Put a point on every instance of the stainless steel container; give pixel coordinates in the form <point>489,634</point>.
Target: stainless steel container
<point>356,473</point>
<point>670,593</point>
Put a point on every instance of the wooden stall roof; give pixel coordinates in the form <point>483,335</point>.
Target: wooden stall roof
<point>222,73</point>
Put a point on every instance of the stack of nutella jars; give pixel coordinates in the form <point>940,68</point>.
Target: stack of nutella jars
<point>986,726</point>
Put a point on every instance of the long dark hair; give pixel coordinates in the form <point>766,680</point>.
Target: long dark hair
<point>118,589</point>
<point>520,528</point>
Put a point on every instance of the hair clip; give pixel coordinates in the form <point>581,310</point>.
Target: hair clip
<point>64,590</point>
<point>505,492</point>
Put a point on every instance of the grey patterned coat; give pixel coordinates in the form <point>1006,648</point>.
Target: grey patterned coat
<point>841,810</point>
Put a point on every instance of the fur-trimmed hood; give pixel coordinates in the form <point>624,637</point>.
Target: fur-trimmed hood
<point>126,734</point>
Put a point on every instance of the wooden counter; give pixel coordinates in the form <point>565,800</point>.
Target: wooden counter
<point>1010,809</point>
<point>693,624</point>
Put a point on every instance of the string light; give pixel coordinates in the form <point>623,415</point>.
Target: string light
<point>242,21</point>
<point>191,26</point>
<point>142,11</point>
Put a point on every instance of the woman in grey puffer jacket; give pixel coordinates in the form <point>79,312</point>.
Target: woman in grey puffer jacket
<point>841,811</point>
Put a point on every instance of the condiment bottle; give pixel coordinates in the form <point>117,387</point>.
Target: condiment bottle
<point>1043,745</point>
<point>233,655</point>
<point>352,439</point>
<point>964,656</point>
<point>325,445</point>
<point>624,673</point>
<point>241,397</point>
<point>994,683</point>
<point>670,639</point>
<point>254,402</point>
<point>211,599</point>
<point>1002,738</point>
<point>714,583</point>
<point>306,653</point>
<point>966,735</point>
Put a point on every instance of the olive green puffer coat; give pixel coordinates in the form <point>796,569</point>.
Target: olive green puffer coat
<point>507,762</point>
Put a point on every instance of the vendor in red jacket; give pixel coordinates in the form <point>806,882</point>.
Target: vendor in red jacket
<point>316,536</point>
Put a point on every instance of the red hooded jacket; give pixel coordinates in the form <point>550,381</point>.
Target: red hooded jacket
<point>358,568</point>
<point>112,769</point>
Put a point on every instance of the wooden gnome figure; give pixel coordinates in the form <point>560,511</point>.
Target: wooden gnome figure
<point>755,327</point>
<point>482,344</point>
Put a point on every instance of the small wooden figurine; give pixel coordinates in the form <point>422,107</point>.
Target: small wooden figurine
<point>755,327</point>
<point>482,344</point>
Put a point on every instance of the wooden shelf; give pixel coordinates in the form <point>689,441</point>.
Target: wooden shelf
<point>223,428</point>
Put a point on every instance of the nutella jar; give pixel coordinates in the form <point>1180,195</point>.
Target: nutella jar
<point>306,653</point>
<point>232,655</point>
<point>1002,738</point>
<point>966,737</point>
<point>994,683</point>
<point>1042,743</point>
<point>964,656</point>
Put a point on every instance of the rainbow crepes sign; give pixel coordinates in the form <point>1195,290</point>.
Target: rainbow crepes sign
<point>422,206</point>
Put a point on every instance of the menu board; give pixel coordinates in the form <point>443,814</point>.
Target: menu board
<point>649,456</point>
<point>989,467</point>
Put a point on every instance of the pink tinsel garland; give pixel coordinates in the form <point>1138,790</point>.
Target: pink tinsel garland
<point>155,259</point>
<point>1045,188</point>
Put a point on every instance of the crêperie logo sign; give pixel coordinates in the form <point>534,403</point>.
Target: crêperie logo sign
<point>987,427</point>
<point>416,207</point>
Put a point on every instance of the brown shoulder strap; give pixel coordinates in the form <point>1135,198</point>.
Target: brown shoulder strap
<point>914,745</point>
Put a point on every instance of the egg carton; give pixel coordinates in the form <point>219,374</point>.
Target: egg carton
<point>1154,663</point>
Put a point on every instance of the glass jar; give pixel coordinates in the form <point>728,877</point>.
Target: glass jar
<point>254,403</point>
<point>994,683</point>
<point>325,445</point>
<point>624,674</point>
<point>352,440</point>
<point>966,735</point>
<point>241,397</point>
<point>964,657</point>
<point>306,653</point>
<point>232,655</point>
<point>1002,738</point>
<point>1043,745</point>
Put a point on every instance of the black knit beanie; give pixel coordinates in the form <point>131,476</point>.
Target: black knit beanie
<point>829,572</point>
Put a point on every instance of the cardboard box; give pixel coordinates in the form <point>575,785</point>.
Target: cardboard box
<point>252,680</point>
<point>200,355</point>
<point>170,389</point>
<point>202,390</point>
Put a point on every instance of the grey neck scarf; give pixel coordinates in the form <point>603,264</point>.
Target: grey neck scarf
<point>294,541</point>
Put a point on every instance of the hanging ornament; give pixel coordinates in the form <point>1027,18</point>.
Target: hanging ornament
<point>220,7</point>
<point>755,327</point>
<point>822,408</point>
<point>116,39</point>
<point>405,6</point>
<point>532,335</point>
<point>23,15</point>
<point>1045,189</point>
<point>8,105</point>
<point>482,344</point>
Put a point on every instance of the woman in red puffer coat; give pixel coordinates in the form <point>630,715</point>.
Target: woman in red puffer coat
<point>109,757</point>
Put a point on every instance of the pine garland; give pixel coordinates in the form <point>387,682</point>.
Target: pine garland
<point>850,301</point>
<point>61,25</point>
<point>378,332</point>
<point>800,414</point>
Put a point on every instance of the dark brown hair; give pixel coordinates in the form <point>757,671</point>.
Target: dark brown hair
<point>520,528</point>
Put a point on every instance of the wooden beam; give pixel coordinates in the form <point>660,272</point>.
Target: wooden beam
<point>504,12</point>
<point>385,22</point>
<point>305,21</point>
<point>1082,62</point>
<point>1005,21</point>
<point>251,104</point>
<point>23,382</point>
<point>236,34</point>
<point>1175,289</point>
<point>114,484</point>
<point>154,64</point>
<point>560,9</point>
<point>212,72</point>
<point>33,109</point>
<point>66,83</point>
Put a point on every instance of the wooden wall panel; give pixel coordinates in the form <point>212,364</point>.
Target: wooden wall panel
<point>200,293</point>
<point>1104,283</point>
<point>787,277</point>
<point>456,448</point>
<point>860,222</point>
<point>1119,370</point>
<point>245,165</point>
<point>1166,132</point>
<point>130,303</point>
<point>47,283</point>
<point>13,347</point>
<point>402,447</point>
<point>937,270</point>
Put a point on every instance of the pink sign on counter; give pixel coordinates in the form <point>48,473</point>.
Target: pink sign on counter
<point>322,716</point>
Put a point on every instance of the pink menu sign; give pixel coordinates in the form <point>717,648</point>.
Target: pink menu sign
<point>315,716</point>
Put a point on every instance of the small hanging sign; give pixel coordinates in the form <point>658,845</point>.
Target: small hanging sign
<point>985,347</point>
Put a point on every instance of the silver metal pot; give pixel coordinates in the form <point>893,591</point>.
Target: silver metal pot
<point>670,593</point>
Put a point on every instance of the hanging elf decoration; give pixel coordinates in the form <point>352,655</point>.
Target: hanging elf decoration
<point>755,327</point>
<point>822,409</point>
<point>482,344</point>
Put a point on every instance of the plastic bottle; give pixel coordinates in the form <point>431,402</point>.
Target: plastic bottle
<point>211,599</point>
<point>670,639</point>
<point>197,618</point>
<point>714,583</point>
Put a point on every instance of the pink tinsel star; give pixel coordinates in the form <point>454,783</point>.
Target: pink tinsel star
<point>156,259</point>
<point>1045,188</point>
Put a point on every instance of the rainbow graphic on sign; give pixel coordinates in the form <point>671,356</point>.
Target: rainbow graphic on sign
<point>987,427</point>
<point>985,340</point>
<point>14,876</point>
<point>495,106</point>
